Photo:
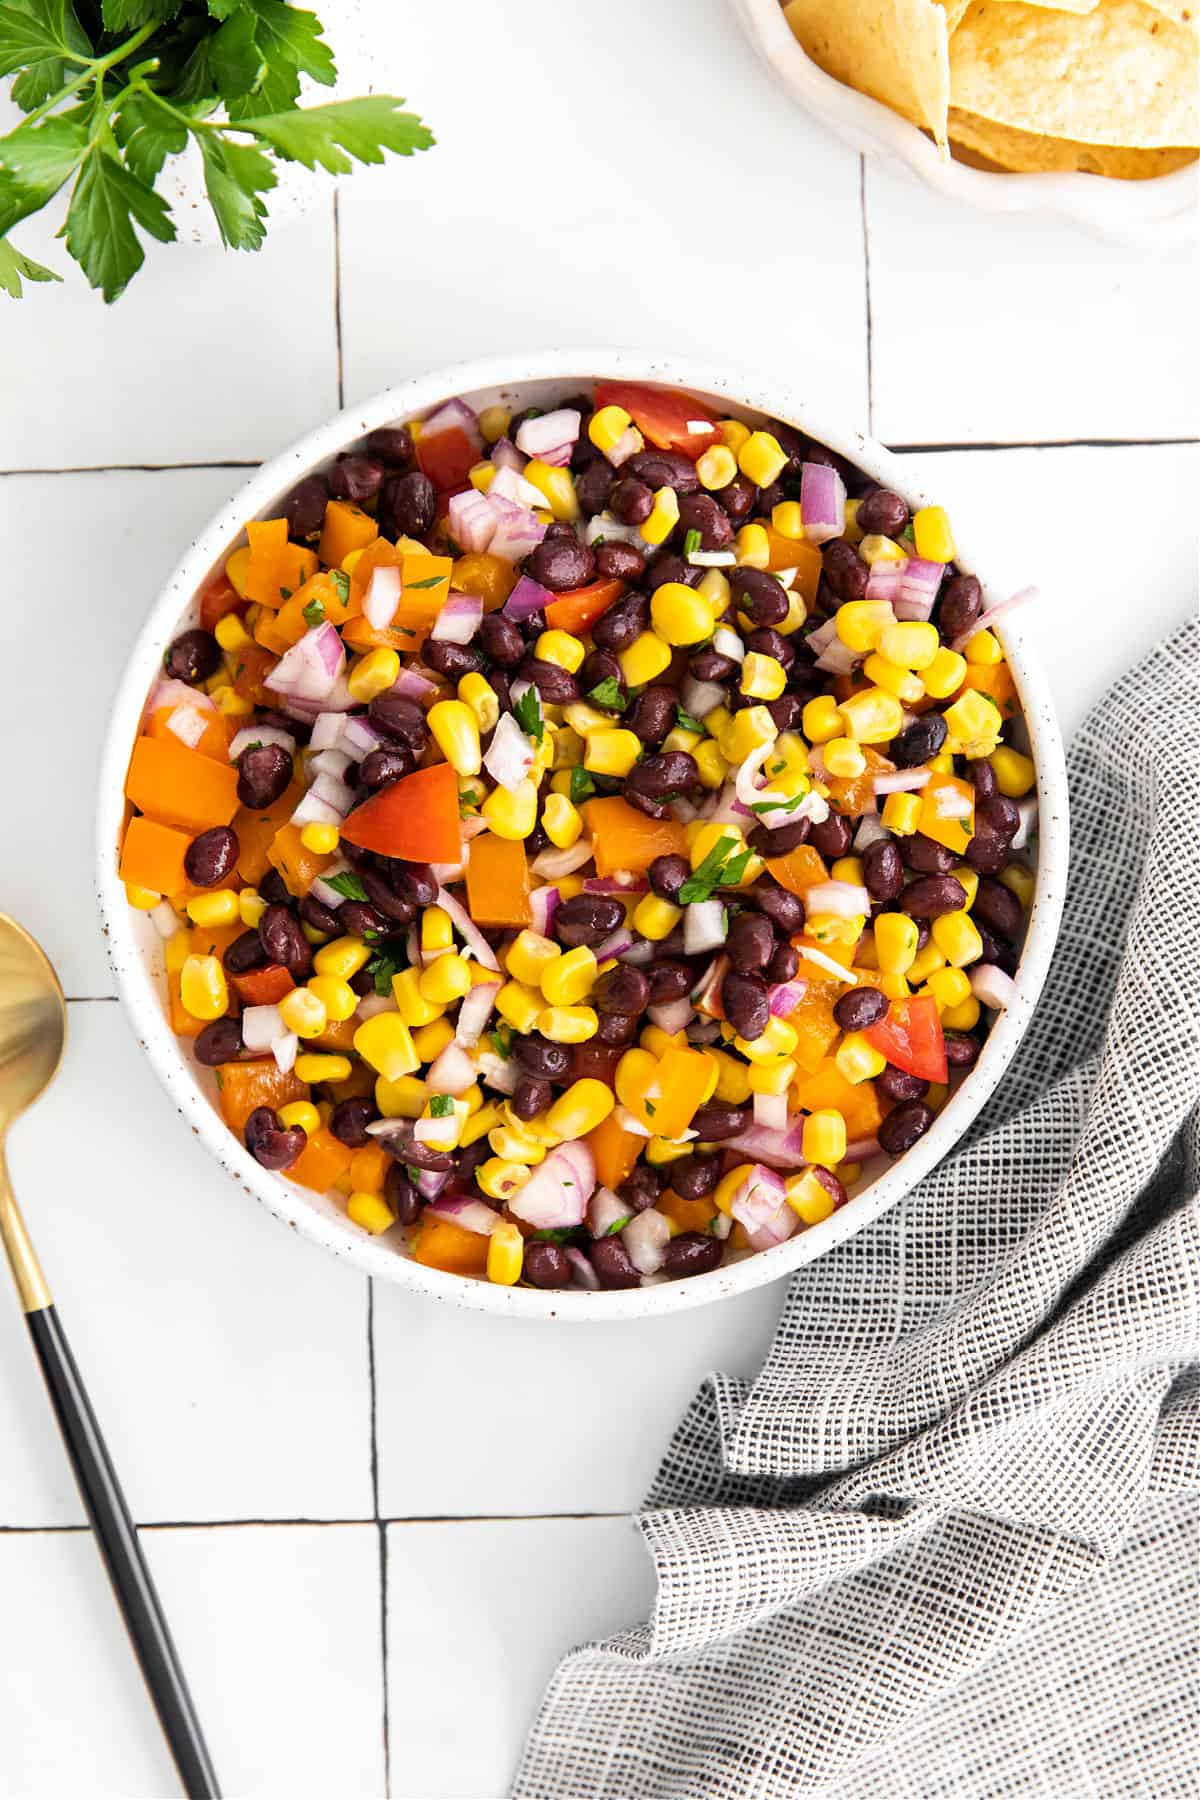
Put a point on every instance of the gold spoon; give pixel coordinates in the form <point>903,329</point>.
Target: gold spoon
<point>33,1028</point>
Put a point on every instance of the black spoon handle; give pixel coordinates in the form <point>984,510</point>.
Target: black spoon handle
<point>122,1553</point>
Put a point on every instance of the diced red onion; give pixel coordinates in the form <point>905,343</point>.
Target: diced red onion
<point>920,580</point>
<point>510,484</point>
<point>822,502</point>
<point>165,919</point>
<point>671,1015</point>
<point>467,929</point>
<point>471,519</point>
<point>382,596</point>
<point>310,669</point>
<point>372,1004</point>
<point>188,724</point>
<point>313,810</point>
<point>334,792</point>
<point>711,559</point>
<point>582,1273</point>
<point>550,864</point>
<point>627,445</point>
<point>266,734</point>
<point>320,888</point>
<point>414,955</point>
<point>474,1013</point>
<point>783,1149</point>
<point>700,697</point>
<point>704,1031</point>
<point>170,692</point>
<point>458,620</point>
<point>505,455</point>
<point>683,810</point>
<point>517,531</point>
<point>603,525</point>
<point>883,583</point>
<point>410,684</point>
<point>453,415</point>
<point>952,803</point>
<point>901,781</point>
<point>616,945</point>
<point>543,904</point>
<point>262,1026</point>
<point>430,1131</point>
<point>359,738</point>
<point>776,1230</point>
<point>869,832</point>
<point>452,1071</point>
<point>758,1196</point>
<point>285,1051</point>
<point>771,1110</point>
<point>991,986</point>
<point>786,997</point>
<point>550,436</point>
<point>462,1209</point>
<point>844,899</point>
<point>639,955</point>
<point>527,598</point>
<point>646,1238</point>
<point>862,1149</point>
<point>499,1072</point>
<point>621,884</point>
<point>821,961</point>
<point>604,1210</point>
<point>391,1132</point>
<point>556,1194</point>
<point>1028,809</point>
<point>510,754</point>
<point>821,638</point>
<point>838,658</point>
<point>729,643</point>
<point>746,785</point>
<point>703,927</point>
<point>706,995</point>
<point>723,807</point>
<point>430,1182</point>
<point>984,621</point>
<point>328,762</point>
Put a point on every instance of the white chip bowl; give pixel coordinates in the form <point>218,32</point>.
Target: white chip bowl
<point>136,950</point>
<point>1160,212</point>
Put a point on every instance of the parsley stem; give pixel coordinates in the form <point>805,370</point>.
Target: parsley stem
<point>95,68</point>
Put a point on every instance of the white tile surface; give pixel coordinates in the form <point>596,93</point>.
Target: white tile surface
<point>1017,330</point>
<point>478,1616</point>
<point>536,1419</point>
<point>645,183</point>
<point>279,1633</point>
<point>226,1358</point>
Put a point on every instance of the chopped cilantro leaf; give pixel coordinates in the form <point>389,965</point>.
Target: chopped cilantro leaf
<point>348,885</point>
<point>341,582</point>
<point>431,581</point>
<point>608,693</point>
<point>558,1234</point>
<point>440,1106</point>
<point>651,1108</point>
<point>501,1039</point>
<point>528,714</point>
<point>314,612</point>
<point>720,868</point>
<point>686,722</point>
<point>382,968</point>
<point>582,786</point>
<point>766,806</point>
<point>287,592</point>
<point>691,542</point>
<point>618,1225</point>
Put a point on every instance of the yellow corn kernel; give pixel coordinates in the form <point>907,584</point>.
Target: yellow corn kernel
<point>413,1007</point>
<point>372,674</point>
<point>313,935</point>
<point>823,1139</point>
<point>251,907</point>
<point>895,942</point>
<point>974,724</point>
<point>437,932</point>
<point>560,648</point>
<point>337,997</point>
<point>568,1024</point>
<point>896,987</point>
<point>475,691</point>
<point>556,486</point>
<point>343,957</point>
<point>963,1017</point>
<point>430,1040</point>
<point>821,720</point>
<point>945,674</point>
<point>732,1078</point>
<point>1015,774</point>
<point>680,614</point>
<point>584,1105</point>
<point>570,978</point>
<point>612,752</point>
<point>844,758</point>
<point>853,531</point>
<point>763,677</point>
<point>718,720</point>
<point>202,987</point>
<point>786,519</point>
<point>862,623</point>
<point>847,868</point>
<point>714,585</point>
<point>529,955</point>
<point>705,837</point>
<point>679,739</point>
<point>729,1184</point>
<point>300,1112</point>
<point>1018,880</point>
<point>942,764</point>
<point>568,751</point>
<point>635,1072</point>
<point>494,422</point>
<point>607,427</point>
<point>370,1212</point>
<point>866,956</point>
<point>385,1042</point>
<point>456,733</point>
<point>230,633</point>
<point>911,644</point>
<point>778,1040</point>
<point>472,1098</point>
<point>762,458</point>
<point>716,468</point>
<point>656,918</point>
<point>711,764</point>
<point>658,1041</point>
<point>968,879</point>
<point>583,719</point>
<point>664,517</point>
<point>872,717</point>
<point>660,1151</point>
<point>958,939</point>
<point>481,476</point>
<point>748,731</point>
<point>949,987</point>
<point>500,1179</point>
<point>772,1078</point>
<point>517,1143</point>
<point>237,567</point>
<point>795,616</point>
<point>833,928</point>
<point>561,820</point>
<point>645,659</point>
<point>519,1005</point>
<point>569,886</point>
<point>230,702</point>
<point>923,963</point>
<point>442,1129</point>
<point>485,1118</point>
<point>505,1254</point>
<point>320,838</point>
<point>932,535</point>
<point>543,752</point>
<point>900,683</point>
<point>447,978</point>
<point>809,1198</point>
<point>316,1065</point>
<point>176,952</point>
<point>733,434</point>
<point>984,649</point>
<point>403,1098</point>
<point>144,899</point>
<point>303,1012</point>
<point>512,815</point>
<point>901,814</point>
<point>848,1173</point>
<point>218,907</point>
<point>752,547</point>
<point>858,1060</point>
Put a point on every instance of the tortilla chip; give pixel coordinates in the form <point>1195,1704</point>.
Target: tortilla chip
<point>1072,6</point>
<point>954,10</point>
<point>1120,75</point>
<point>1028,153</point>
<point>897,51</point>
<point>1182,12</point>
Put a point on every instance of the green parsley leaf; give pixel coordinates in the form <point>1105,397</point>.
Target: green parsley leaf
<point>528,713</point>
<point>127,15</point>
<point>466,800</point>
<point>501,1039</point>
<point>719,869</point>
<point>35,35</point>
<point>787,806</point>
<point>382,968</point>
<point>105,203</point>
<point>556,1234</point>
<point>314,612</point>
<point>235,175</point>
<point>618,1225</point>
<point>582,786</point>
<point>608,693</point>
<point>341,582</point>
<point>685,721</point>
<point>148,132</point>
<point>35,161</point>
<point>431,581</point>
<point>691,542</point>
<point>441,1106</point>
<point>347,884</point>
<point>650,1107</point>
<point>331,135</point>
<point>15,268</point>
<point>265,35</point>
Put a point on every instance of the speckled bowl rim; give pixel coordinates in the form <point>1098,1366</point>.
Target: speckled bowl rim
<point>139,989</point>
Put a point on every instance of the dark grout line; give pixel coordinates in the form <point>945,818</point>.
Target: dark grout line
<point>381,1530</point>
<point>90,999</point>
<point>1046,444</point>
<point>138,468</point>
<point>381,1523</point>
<point>337,298</point>
<point>383,1644</point>
<point>866,244</point>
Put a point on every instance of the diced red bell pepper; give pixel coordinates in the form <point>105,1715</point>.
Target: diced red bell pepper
<point>218,597</point>
<point>910,1036</point>
<point>447,457</point>
<point>672,420</point>
<point>416,818</point>
<point>578,609</point>
<point>263,987</point>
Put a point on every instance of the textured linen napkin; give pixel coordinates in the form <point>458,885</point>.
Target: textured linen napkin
<point>944,1546</point>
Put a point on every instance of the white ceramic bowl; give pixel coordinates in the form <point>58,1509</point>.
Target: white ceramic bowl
<point>136,950</point>
<point>1161,211</point>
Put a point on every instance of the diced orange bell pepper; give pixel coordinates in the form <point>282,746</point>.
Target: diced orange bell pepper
<point>152,856</point>
<point>213,741</point>
<point>380,553</point>
<point>441,1244</point>
<point>954,833</point>
<point>347,527</point>
<point>416,818</point>
<point>498,881</point>
<point>323,1160</point>
<point>490,577</point>
<point>683,1078</point>
<point>996,681</point>
<point>799,870</point>
<point>218,597</point>
<point>256,832</point>
<point>178,786</point>
<point>798,554</point>
<point>688,1215</point>
<point>182,1022</point>
<point>328,595</point>
<point>359,1083</point>
<point>298,866</point>
<point>270,634</point>
<point>614,1150</point>
<point>623,838</point>
<point>267,539</point>
<point>578,609</point>
<point>813,1021</point>
<point>836,952</point>
<point>858,1102</point>
<point>856,794</point>
<point>214,940</point>
<point>447,457</point>
<point>337,1037</point>
<point>252,666</point>
<point>243,1086</point>
<point>263,987</point>
<point>369,1169</point>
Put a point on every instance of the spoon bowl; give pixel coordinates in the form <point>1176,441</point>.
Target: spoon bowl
<point>33,1021</point>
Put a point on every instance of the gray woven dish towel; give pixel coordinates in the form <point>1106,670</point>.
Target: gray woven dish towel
<point>943,1548</point>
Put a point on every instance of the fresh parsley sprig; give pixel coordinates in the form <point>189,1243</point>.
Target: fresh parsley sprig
<point>106,106</point>
<point>527,711</point>
<point>724,866</point>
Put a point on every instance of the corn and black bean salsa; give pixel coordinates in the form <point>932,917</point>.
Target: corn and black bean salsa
<point>585,841</point>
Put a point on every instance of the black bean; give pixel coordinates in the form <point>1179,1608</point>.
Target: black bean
<point>669,979</point>
<point>897,1084</point>
<point>960,605</point>
<point>883,870</point>
<point>652,714</point>
<point>695,1176</point>
<point>304,508</point>
<point>415,881</point>
<point>356,478</point>
<point>691,1253</point>
<point>830,1182</point>
<point>927,856</point>
<point>750,942</point>
<point>659,777</point>
<point>882,511</point>
<point>666,565</point>
<point>747,1003</point>
<point>642,1189</point>
<point>631,501</point>
<point>547,1266</point>
<point>784,909</point>
<point>594,486</point>
<point>932,896</point>
<point>919,741</point>
<point>587,919</point>
<point>284,942</point>
<point>452,660</point>
<point>407,505</point>
<point>380,768</point>
<point>358,919</point>
<point>382,895</point>
<point>619,562</point>
<point>787,711</point>
<point>961,1051</point>
<point>982,776</point>
<point>402,1195</point>
<point>416,1155</point>
<point>831,838</point>
<point>537,1055</point>
<point>349,1120</point>
<point>784,964</point>
<point>988,849</point>
<point>210,858</point>
<point>610,1259</point>
<point>769,642</point>
<point>556,685</point>
<point>268,1143</point>
<point>621,990</point>
<point>902,1127</point>
<point>664,468</point>
<point>501,641</point>
<point>193,656</point>
<point>393,445</point>
<point>623,621</point>
<point>998,908</point>
<point>219,1042</point>
<point>274,889</point>
<point>845,570</point>
<point>859,1008</point>
<point>594,1061</point>
<point>759,595</point>
<point>700,512</point>
<point>399,718</point>
<point>710,665</point>
<point>717,1121</point>
<point>738,498</point>
<point>1000,814</point>
<point>667,875</point>
<point>777,840</point>
<point>616,1028</point>
<point>318,916</point>
<point>562,563</point>
<point>245,953</point>
<point>531,1096</point>
<point>264,771</point>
